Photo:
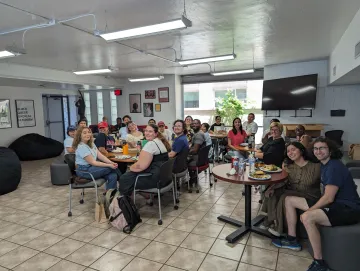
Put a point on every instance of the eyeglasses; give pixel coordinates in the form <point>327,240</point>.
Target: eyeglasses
<point>320,148</point>
<point>161,126</point>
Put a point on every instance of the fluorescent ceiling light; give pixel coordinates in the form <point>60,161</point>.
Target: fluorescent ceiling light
<point>206,59</point>
<point>5,54</point>
<point>303,90</point>
<point>92,72</point>
<point>147,30</point>
<point>156,78</point>
<point>232,72</point>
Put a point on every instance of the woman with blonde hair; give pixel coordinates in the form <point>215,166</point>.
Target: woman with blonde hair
<point>152,156</point>
<point>133,135</point>
<point>272,152</point>
<point>89,159</point>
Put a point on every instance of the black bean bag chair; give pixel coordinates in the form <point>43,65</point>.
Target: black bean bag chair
<point>35,147</point>
<point>10,170</point>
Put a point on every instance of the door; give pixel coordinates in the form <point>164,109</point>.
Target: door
<point>54,117</point>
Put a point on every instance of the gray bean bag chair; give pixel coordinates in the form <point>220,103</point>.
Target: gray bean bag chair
<point>36,147</point>
<point>10,170</point>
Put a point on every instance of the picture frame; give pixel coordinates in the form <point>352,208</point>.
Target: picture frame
<point>150,94</point>
<point>163,95</point>
<point>135,103</point>
<point>148,110</point>
<point>157,107</point>
<point>25,113</point>
<point>5,114</point>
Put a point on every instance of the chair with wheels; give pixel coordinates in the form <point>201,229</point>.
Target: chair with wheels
<point>93,183</point>
<point>180,169</point>
<point>335,135</point>
<point>164,184</point>
<point>201,164</point>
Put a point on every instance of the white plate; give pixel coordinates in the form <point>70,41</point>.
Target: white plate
<point>244,144</point>
<point>268,177</point>
<point>117,151</point>
<point>270,171</point>
<point>123,157</point>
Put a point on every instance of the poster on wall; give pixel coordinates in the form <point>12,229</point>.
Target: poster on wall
<point>163,95</point>
<point>25,113</point>
<point>135,103</point>
<point>5,117</point>
<point>150,94</point>
<point>148,110</point>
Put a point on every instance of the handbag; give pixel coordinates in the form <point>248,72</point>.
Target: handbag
<point>100,215</point>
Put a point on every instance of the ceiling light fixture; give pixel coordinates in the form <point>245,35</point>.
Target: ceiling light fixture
<point>5,54</point>
<point>156,78</point>
<point>92,72</point>
<point>181,23</point>
<point>206,59</point>
<point>232,72</point>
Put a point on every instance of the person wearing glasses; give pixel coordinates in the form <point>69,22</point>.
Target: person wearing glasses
<point>180,141</point>
<point>339,204</point>
<point>165,132</point>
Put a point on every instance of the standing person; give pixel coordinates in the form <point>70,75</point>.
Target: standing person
<point>198,142</point>
<point>80,104</point>
<point>71,130</point>
<point>133,135</point>
<point>205,129</point>
<point>180,141</point>
<point>190,132</point>
<point>87,156</point>
<point>82,123</point>
<point>103,141</point>
<point>302,137</point>
<point>250,125</point>
<point>167,134</point>
<point>217,127</point>
<point>339,204</point>
<point>236,136</point>
<point>124,130</point>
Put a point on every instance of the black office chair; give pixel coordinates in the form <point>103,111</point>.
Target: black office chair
<point>180,169</point>
<point>201,165</point>
<point>335,135</point>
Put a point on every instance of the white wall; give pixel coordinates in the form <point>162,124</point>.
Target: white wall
<point>7,136</point>
<point>343,55</point>
<point>328,98</point>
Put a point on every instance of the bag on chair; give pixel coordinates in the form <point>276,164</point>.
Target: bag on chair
<point>123,214</point>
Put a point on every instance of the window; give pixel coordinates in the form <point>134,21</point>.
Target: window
<point>191,99</point>
<point>113,107</point>
<point>240,94</point>
<point>100,105</point>
<point>87,108</point>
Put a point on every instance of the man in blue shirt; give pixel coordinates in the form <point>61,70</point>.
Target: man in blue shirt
<point>339,204</point>
<point>71,130</point>
<point>180,141</point>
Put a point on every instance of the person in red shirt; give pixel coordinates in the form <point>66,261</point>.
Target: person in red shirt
<point>236,136</point>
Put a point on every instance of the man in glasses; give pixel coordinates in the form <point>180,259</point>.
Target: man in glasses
<point>339,204</point>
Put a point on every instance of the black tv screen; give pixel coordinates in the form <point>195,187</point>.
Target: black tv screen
<point>290,93</point>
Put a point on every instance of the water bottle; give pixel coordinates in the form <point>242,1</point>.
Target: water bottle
<point>251,163</point>
<point>241,166</point>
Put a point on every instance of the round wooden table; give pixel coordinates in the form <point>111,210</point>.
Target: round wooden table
<point>244,149</point>
<point>112,155</point>
<point>250,225</point>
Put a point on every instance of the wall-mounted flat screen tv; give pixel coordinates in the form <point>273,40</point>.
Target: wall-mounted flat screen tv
<point>290,93</point>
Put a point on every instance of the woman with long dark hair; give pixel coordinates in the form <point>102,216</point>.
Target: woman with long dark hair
<point>189,130</point>
<point>236,136</point>
<point>152,156</point>
<point>303,181</point>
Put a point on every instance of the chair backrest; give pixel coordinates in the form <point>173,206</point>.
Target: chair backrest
<point>70,161</point>
<point>203,156</point>
<point>180,163</point>
<point>166,170</point>
<point>335,135</point>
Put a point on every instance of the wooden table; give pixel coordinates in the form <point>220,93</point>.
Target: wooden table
<point>244,148</point>
<point>250,225</point>
<point>111,156</point>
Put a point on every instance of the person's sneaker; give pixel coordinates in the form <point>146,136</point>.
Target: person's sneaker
<point>286,243</point>
<point>273,231</point>
<point>263,227</point>
<point>316,266</point>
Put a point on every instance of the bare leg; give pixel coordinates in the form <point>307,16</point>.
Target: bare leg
<point>310,220</point>
<point>291,204</point>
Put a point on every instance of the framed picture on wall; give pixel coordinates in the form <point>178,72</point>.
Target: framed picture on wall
<point>148,110</point>
<point>150,94</point>
<point>135,103</point>
<point>5,114</point>
<point>163,95</point>
<point>25,113</point>
<point>157,107</point>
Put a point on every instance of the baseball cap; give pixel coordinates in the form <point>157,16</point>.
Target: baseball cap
<point>103,124</point>
<point>71,128</point>
<point>161,123</point>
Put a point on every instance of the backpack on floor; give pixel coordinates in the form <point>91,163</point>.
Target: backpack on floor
<point>123,214</point>
<point>110,195</point>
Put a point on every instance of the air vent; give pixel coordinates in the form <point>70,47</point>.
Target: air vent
<point>357,50</point>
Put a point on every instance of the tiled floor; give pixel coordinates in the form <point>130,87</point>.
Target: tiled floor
<point>36,234</point>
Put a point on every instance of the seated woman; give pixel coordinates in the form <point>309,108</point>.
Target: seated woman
<point>205,128</point>
<point>303,181</point>
<point>189,130</point>
<point>217,127</point>
<point>236,136</point>
<point>133,134</point>
<point>152,156</point>
<point>272,152</point>
<point>87,156</point>
<point>180,142</point>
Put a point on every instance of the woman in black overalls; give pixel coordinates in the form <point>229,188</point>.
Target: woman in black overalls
<point>152,156</point>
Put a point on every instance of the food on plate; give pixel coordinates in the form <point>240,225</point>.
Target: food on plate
<point>259,175</point>
<point>259,172</point>
<point>270,167</point>
<point>259,164</point>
